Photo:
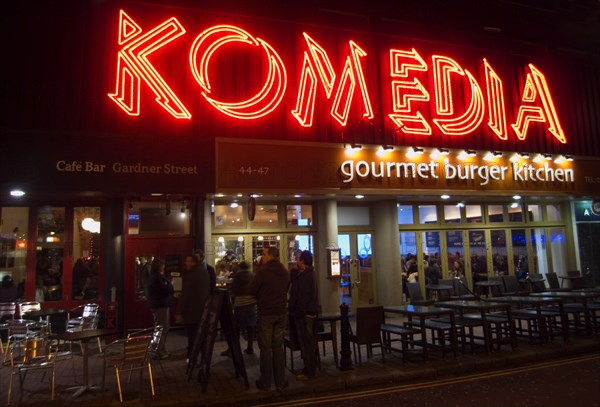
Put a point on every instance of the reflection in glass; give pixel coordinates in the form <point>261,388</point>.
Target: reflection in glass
<point>553,212</point>
<point>519,245</point>
<point>477,247</point>
<point>299,215</point>
<point>540,259</point>
<point>474,214</point>
<point>451,214</point>
<point>515,212</point>
<point>534,213</point>
<point>229,251</point>
<point>142,274</point>
<point>158,218</point>
<point>228,217</point>
<point>456,252</point>
<point>427,214</point>
<point>495,213</point>
<point>49,253</point>
<point>499,252</point>
<point>266,215</point>
<point>558,248</point>
<point>13,248</point>
<point>86,252</point>
<point>296,244</point>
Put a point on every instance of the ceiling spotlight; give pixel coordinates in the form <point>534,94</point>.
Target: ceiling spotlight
<point>548,157</point>
<point>515,157</point>
<point>17,193</point>
<point>514,205</point>
<point>255,196</point>
<point>234,204</point>
<point>359,196</point>
<point>489,156</point>
<point>460,204</point>
<point>516,197</point>
<point>462,155</point>
<point>472,153</point>
<point>383,150</point>
<point>445,196</point>
<point>414,151</point>
<point>569,157</point>
<point>352,149</point>
<point>524,155</point>
<point>560,159</point>
<point>538,158</point>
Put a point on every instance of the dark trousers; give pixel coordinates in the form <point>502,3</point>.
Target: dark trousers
<point>192,330</point>
<point>305,329</point>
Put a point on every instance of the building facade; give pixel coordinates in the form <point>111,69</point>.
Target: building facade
<point>376,137</point>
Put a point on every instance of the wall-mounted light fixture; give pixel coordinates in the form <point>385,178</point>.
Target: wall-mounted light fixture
<point>352,149</point>
<point>384,149</point>
<point>414,151</point>
<point>460,204</point>
<point>569,158</point>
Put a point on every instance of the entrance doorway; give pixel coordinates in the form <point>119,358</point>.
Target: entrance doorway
<point>357,280</point>
<point>139,253</point>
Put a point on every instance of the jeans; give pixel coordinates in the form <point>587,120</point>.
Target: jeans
<point>161,317</point>
<point>271,329</point>
<point>305,329</point>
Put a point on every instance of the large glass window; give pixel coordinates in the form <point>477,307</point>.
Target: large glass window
<point>86,252</point>
<point>519,245</point>
<point>299,215</point>
<point>540,259</point>
<point>229,216</point>
<point>553,212</point>
<point>515,212</point>
<point>229,250</point>
<point>534,213</point>
<point>558,248</point>
<point>50,245</point>
<point>296,244</point>
<point>427,214</point>
<point>499,252</point>
<point>477,247</point>
<point>456,253</point>
<point>13,251</point>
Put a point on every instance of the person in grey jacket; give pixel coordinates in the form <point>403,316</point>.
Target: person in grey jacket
<point>194,294</point>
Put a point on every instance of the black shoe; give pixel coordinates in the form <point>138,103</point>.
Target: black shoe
<point>283,386</point>
<point>261,387</point>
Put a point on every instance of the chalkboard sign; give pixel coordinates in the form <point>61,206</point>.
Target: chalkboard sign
<point>218,309</point>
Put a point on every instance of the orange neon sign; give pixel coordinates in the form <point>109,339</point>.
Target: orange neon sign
<point>447,95</point>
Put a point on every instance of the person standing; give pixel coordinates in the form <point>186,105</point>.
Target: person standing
<point>159,296</point>
<point>244,306</point>
<point>304,309</point>
<point>194,294</point>
<point>270,287</point>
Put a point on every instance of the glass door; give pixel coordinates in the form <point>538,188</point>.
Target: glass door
<point>357,280</point>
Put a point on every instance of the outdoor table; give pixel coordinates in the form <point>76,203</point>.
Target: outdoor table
<point>436,288</point>
<point>484,307</point>
<point>488,285</point>
<point>56,317</point>
<point>539,303</point>
<point>84,336</point>
<point>422,313</point>
<point>576,296</point>
<point>332,319</point>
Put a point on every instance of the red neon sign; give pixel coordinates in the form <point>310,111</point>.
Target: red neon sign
<point>410,96</point>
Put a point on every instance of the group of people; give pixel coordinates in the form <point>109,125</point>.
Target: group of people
<point>261,308</point>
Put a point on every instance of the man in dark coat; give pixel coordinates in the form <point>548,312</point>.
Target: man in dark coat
<point>304,308</point>
<point>159,296</point>
<point>194,294</point>
<point>270,287</point>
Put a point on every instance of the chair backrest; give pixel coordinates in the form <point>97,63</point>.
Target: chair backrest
<point>450,282</point>
<point>498,289</point>
<point>460,286</point>
<point>368,324</point>
<point>18,326</point>
<point>135,348</point>
<point>90,310</point>
<point>414,291</point>
<point>552,280</point>
<point>155,336</point>
<point>25,307</point>
<point>7,310</point>
<point>511,284</point>
<point>573,273</point>
<point>35,348</point>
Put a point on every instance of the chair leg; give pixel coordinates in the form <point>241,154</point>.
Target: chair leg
<point>10,380</point>
<point>151,379</point>
<point>53,381</point>
<point>119,384</point>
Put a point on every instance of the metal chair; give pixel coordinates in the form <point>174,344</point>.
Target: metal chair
<point>87,320</point>
<point>37,355</point>
<point>368,331</point>
<point>7,312</point>
<point>127,355</point>
<point>19,330</point>
<point>31,306</point>
<point>156,334</point>
<point>511,286</point>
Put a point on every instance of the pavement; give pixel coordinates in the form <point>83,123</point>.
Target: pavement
<point>173,388</point>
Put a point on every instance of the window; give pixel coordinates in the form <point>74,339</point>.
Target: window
<point>50,245</point>
<point>495,213</point>
<point>515,212</point>
<point>228,217</point>
<point>86,252</point>
<point>451,214</point>
<point>427,214</point>
<point>266,215</point>
<point>473,213</point>
<point>299,215</point>
<point>534,213</point>
<point>13,248</point>
<point>553,212</point>
<point>405,215</point>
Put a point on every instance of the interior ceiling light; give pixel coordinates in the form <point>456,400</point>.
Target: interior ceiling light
<point>234,205</point>
<point>445,196</point>
<point>255,196</point>
<point>359,196</point>
<point>17,193</point>
<point>514,205</point>
<point>516,197</point>
<point>460,205</point>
